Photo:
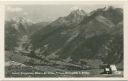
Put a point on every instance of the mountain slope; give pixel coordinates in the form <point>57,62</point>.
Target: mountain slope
<point>91,38</point>
<point>82,37</point>
<point>62,25</point>
<point>17,29</point>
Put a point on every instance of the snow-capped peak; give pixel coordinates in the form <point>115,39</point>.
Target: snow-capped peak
<point>78,11</point>
<point>75,8</point>
<point>22,20</point>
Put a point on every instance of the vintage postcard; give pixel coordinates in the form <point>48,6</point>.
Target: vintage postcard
<point>64,39</point>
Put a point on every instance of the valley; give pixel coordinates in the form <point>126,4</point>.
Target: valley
<point>78,42</point>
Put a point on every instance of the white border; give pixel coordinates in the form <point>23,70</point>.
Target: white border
<point>1,41</point>
<point>6,2</point>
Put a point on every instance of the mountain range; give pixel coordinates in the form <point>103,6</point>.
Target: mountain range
<point>93,38</point>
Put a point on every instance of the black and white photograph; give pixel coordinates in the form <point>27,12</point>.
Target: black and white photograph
<point>64,40</point>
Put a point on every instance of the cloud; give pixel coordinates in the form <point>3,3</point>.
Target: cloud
<point>14,9</point>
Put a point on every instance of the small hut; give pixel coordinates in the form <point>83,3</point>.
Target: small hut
<point>108,69</point>
<point>113,68</point>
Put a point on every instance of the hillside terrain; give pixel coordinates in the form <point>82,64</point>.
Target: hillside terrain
<point>76,42</point>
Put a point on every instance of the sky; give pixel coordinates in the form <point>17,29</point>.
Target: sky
<point>46,13</point>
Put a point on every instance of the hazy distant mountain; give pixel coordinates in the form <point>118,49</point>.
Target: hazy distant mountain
<point>37,26</point>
